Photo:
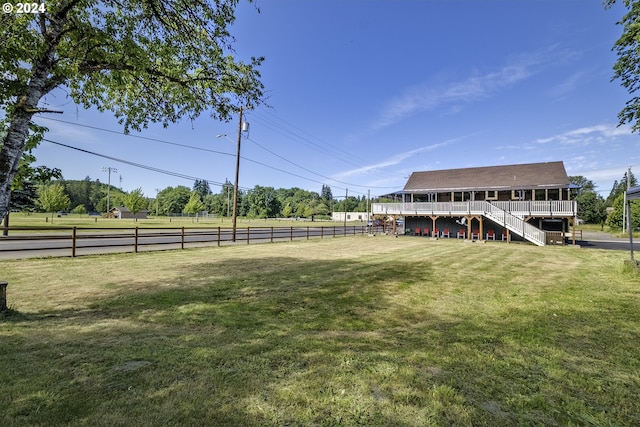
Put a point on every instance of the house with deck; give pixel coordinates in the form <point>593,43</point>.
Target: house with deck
<point>528,202</point>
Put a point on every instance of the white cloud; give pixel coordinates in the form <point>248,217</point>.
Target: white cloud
<point>426,97</point>
<point>68,133</point>
<point>587,135</point>
<point>394,160</point>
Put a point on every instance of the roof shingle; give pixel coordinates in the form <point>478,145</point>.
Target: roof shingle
<point>507,177</point>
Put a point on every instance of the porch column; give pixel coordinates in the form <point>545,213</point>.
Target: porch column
<point>433,228</point>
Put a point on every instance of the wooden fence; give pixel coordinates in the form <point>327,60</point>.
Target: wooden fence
<point>73,241</point>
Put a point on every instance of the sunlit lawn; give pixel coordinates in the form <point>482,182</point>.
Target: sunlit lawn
<point>349,331</point>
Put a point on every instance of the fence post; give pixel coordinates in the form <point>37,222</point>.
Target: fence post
<point>248,234</point>
<point>307,232</point>
<point>321,232</point>
<point>271,234</point>
<point>334,231</point>
<point>3,296</point>
<point>182,238</point>
<point>218,235</point>
<point>135,244</point>
<point>291,233</point>
<point>73,242</point>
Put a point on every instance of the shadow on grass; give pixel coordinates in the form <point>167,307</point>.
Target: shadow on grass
<point>279,341</point>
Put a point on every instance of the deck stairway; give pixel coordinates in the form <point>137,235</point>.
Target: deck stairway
<point>515,224</point>
<point>509,215</point>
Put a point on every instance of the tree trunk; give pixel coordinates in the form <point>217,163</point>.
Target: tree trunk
<point>39,84</point>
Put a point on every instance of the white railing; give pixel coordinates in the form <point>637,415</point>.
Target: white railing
<point>516,225</point>
<point>510,215</point>
<point>537,208</point>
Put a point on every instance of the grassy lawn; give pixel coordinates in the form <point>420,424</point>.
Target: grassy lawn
<point>350,331</point>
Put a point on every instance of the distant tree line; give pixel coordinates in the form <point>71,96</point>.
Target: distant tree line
<point>52,193</point>
<point>46,191</point>
<point>594,209</point>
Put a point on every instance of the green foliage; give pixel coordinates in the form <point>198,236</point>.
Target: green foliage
<point>135,201</point>
<point>591,207</point>
<point>627,67</point>
<point>80,210</point>
<point>201,187</point>
<point>194,205</point>
<point>620,187</point>
<point>53,198</point>
<point>149,61</point>
<point>615,218</point>
<point>584,185</point>
<point>89,193</point>
<point>173,200</point>
<point>326,194</point>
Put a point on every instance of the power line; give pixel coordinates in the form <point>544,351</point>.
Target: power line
<point>211,151</point>
<point>138,165</point>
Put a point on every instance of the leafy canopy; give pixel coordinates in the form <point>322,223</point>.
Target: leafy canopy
<point>147,61</point>
<point>627,67</point>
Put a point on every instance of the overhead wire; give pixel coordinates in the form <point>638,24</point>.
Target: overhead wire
<point>135,164</point>
<point>212,151</point>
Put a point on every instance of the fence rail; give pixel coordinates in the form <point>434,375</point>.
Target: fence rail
<point>74,241</point>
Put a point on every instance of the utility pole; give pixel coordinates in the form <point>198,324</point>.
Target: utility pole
<point>235,188</point>
<point>109,169</point>
<point>625,212</point>
<point>346,196</point>
<point>242,127</point>
<point>157,190</point>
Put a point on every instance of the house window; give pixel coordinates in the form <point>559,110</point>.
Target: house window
<point>517,194</point>
<point>491,195</point>
<point>461,196</point>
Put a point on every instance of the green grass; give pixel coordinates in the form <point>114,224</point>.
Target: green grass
<point>350,331</point>
<point>20,219</point>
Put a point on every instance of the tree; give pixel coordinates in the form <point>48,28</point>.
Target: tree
<point>53,198</point>
<point>135,201</point>
<point>615,218</point>
<point>627,67</point>
<point>584,185</point>
<point>201,187</point>
<point>326,194</point>
<point>620,187</point>
<point>194,205</point>
<point>172,200</point>
<point>591,208</point>
<point>147,61</point>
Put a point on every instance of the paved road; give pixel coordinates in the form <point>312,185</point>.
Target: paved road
<point>88,242</point>
<point>600,240</point>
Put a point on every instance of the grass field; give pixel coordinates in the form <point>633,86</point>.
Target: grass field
<point>350,331</point>
<point>44,220</point>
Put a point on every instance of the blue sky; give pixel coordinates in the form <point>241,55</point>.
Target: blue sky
<point>362,93</point>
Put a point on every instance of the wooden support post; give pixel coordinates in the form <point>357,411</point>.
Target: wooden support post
<point>73,242</point>
<point>433,228</point>
<point>3,296</point>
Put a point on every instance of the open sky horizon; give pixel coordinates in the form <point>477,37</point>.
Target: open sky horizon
<point>360,94</point>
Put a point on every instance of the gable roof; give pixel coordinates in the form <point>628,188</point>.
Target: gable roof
<point>633,193</point>
<point>508,177</point>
